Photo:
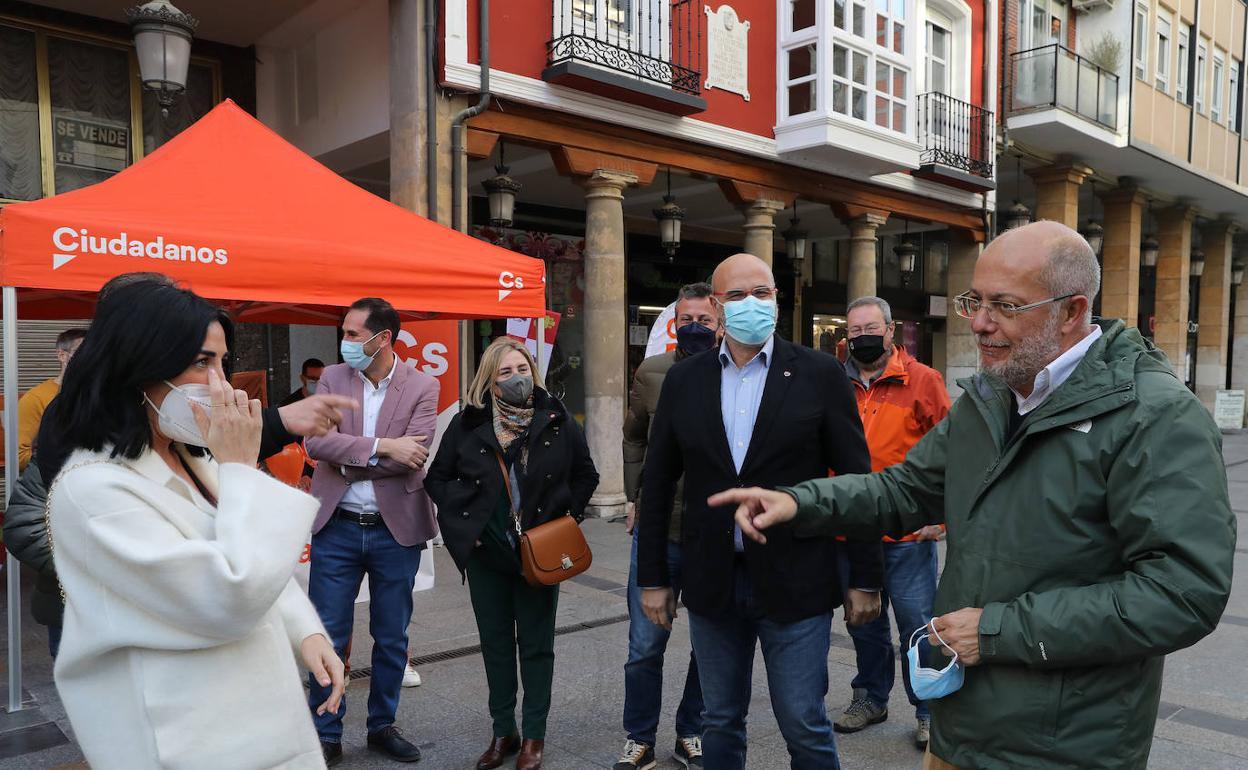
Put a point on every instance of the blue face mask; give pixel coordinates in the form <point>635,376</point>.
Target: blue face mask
<point>312,387</point>
<point>353,353</point>
<point>931,683</point>
<point>750,321</point>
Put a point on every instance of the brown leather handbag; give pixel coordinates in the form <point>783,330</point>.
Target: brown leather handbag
<point>550,553</point>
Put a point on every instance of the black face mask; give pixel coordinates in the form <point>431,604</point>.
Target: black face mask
<point>867,348</point>
<point>694,338</point>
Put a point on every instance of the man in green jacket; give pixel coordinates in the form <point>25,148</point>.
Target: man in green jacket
<point>1089,527</point>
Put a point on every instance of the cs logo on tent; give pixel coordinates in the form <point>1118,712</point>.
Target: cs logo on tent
<point>510,282</point>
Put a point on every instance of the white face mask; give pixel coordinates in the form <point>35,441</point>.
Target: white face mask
<point>177,421</point>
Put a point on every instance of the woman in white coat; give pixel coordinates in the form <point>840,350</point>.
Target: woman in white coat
<point>182,620</point>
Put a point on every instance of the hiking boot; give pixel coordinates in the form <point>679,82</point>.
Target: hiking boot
<point>861,712</point>
<point>688,751</point>
<point>923,732</point>
<point>636,756</point>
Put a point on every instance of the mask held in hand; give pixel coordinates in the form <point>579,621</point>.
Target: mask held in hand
<point>931,683</point>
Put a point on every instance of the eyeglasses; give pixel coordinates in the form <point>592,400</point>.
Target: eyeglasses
<point>967,305</point>
<point>763,293</point>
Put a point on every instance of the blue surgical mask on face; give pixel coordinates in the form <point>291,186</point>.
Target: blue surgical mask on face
<point>312,387</point>
<point>750,321</point>
<point>353,353</point>
<point>931,683</point>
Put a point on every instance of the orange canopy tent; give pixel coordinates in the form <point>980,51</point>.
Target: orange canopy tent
<point>246,219</point>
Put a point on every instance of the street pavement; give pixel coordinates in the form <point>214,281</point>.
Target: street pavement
<point>1203,722</point>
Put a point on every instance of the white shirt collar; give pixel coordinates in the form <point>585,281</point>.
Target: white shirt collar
<point>384,380</point>
<point>725,355</point>
<point>1055,374</point>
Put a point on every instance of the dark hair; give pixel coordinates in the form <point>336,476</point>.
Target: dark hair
<point>67,338</point>
<point>125,279</point>
<point>312,363</point>
<point>695,291</point>
<point>143,333</point>
<point>382,316</point>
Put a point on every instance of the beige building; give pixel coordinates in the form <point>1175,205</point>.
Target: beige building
<point>1126,120</point>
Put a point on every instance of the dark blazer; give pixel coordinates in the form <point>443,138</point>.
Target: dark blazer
<point>467,485</point>
<point>807,425</point>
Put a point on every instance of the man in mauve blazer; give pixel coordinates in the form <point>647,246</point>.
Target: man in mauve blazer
<point>410,409</point>
<point>375,516</point>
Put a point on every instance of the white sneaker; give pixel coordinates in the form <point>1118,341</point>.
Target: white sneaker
<point>410,677</point>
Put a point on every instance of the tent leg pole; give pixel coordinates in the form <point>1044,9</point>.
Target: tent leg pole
<point>12,572</point>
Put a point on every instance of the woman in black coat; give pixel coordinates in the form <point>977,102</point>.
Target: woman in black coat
<point>510,422</point>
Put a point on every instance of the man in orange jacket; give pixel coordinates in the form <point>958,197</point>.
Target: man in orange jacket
<point>899,401</point>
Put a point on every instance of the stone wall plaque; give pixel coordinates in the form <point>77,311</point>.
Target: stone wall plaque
<point>727,55</point>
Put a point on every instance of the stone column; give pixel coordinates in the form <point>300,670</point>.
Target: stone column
<point>1215,312</point>
<point>760,228</point>
<point>1057,192</point>
<point>1120,255</point>
<point>961,354</point>
<point>760,205</point>
<point>606,334</point>
<point>862,229</point>
<point>1173,275</point>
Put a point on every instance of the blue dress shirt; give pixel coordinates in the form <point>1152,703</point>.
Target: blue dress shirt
<point>740,394</point>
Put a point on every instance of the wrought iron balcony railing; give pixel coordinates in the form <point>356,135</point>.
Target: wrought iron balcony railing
<point>1054,76</point>
<point>956,134</point>
<point>655,41</point>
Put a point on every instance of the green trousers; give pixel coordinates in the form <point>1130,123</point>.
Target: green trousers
<point>512,615</point>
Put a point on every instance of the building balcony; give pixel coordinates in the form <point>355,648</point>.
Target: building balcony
<point>957,142</point>
<point>1062,101</point>
<point>647,53</point>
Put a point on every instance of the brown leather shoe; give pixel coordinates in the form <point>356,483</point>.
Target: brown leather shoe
<point>499,750</point>
<point>530,755</point>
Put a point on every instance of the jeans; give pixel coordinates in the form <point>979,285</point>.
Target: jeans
<point>643,673</point>
<point>342,553</point>
<point>910,587</point>
<point>796,656</point>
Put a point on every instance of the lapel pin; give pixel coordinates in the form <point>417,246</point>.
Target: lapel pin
<point>787,373</point>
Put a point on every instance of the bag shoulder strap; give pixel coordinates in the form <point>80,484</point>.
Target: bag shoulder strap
<point>511,501</point>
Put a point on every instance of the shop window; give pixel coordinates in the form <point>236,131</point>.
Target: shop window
<point>93,105</point>
<point>21,172</point>
<point>91,111</point>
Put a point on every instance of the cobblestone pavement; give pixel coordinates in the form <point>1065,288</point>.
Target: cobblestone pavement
<point>1203,721</point>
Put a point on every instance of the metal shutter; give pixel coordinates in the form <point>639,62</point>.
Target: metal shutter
<point>36,356</point>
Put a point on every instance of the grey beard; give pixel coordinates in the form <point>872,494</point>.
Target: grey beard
<point>1028,357</point>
